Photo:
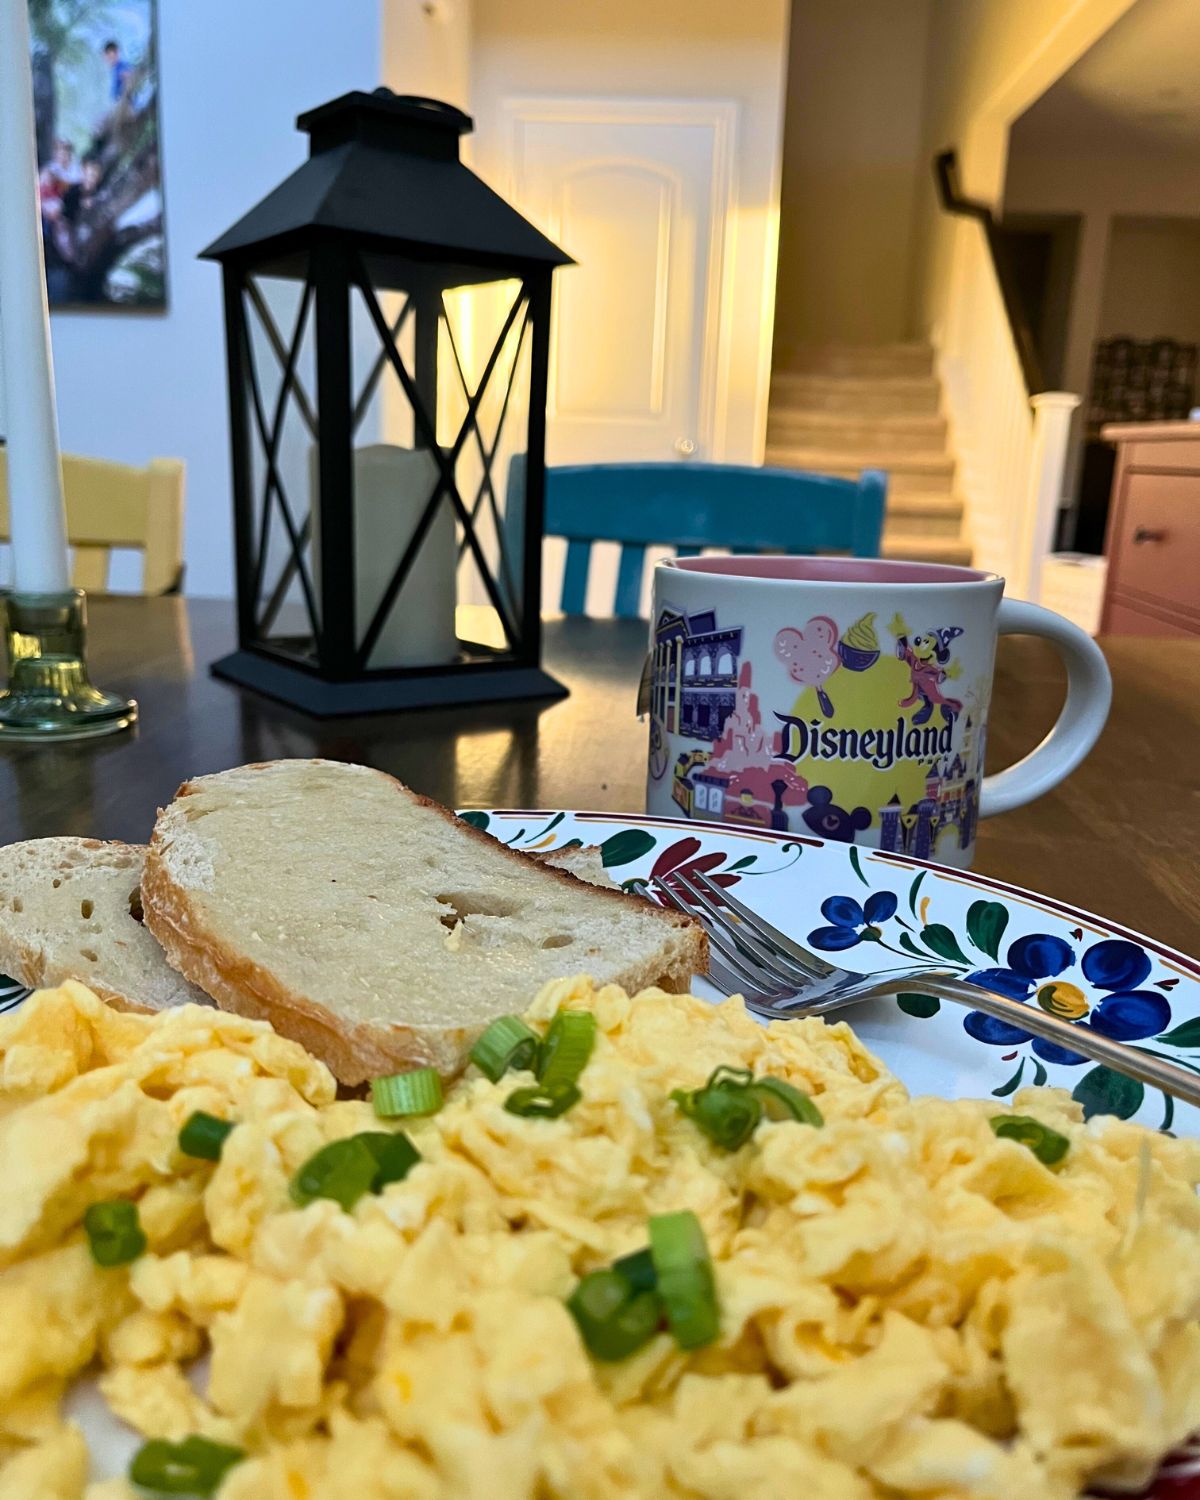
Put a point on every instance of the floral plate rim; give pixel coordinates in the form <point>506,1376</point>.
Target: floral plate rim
<point>1175,956</point>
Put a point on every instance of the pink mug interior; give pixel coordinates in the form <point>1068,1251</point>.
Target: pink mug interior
<point>830,569</point>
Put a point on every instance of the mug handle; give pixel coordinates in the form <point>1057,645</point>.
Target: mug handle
<point>1077,728</point>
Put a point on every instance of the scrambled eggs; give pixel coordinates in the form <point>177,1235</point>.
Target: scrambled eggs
<point>909,1305</point>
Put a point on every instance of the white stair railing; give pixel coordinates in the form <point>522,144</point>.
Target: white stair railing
<point>1011,444</point>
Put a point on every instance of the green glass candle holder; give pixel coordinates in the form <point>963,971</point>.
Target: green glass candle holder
<point>50,695</point>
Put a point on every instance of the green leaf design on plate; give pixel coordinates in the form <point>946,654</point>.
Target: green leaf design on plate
<point>986,921</point>
<point>1168,1118</point>
<point>857,866</point>
<point>923,1006</point>
<point>476,819</point>
<point>912,891</point>
<point>942,941</point>
<point>1187,1035</point>
<point>624,847</point>
<point>910,947</point>
<point>540,833</point>
<point>1011,1085</point>
<point>1039,1074</point>
<point>1103,1092</point>
<point>740,864</point>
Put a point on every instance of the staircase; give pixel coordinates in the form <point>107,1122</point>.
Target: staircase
<point>841,409</point>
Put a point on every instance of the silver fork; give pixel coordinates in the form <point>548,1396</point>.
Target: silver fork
<point>778,978</point>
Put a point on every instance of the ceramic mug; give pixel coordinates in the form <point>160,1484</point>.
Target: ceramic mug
<point>848,699</point>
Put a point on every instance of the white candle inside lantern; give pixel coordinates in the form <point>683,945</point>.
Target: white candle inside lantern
<point>392,486</point>
<point>37,514</point>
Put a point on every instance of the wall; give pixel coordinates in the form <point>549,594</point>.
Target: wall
<point>1104,185</point>
<point>427,48</point>
<point>661,48</point>
<point>1152,285</point>
<point>852,144</point>
<point>988,61</point>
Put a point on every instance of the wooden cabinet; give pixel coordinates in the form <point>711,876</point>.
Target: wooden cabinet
<point>1153,543</point>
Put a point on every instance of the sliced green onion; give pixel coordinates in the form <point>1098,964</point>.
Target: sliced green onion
<point>686,1282</point>
<point>203,1136</point>
<point>541,1102</point>
<point>727,1115</point>
<point>783,1101</point>
<point>195,1466</point>
<point>567,1047</point>
<point>418,1092</point>
<point>1047,1145</point>
<point>114,1234</point>
<point>614,1321</point>
<point>638,1270</point>
<point>395,1155</point>
<point>507,1043</point>
<point>343,1170</point>
<point>729,1078</point>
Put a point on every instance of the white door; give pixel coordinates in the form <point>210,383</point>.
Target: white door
<point>638,192</point>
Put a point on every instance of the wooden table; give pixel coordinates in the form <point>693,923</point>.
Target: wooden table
<point>1119,837</point>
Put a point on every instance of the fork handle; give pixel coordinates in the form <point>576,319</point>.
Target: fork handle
<point>1120,1056</point>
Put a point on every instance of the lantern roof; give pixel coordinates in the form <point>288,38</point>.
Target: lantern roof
<point>384,168</point>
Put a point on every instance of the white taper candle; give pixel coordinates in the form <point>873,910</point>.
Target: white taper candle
<point>38,515</point>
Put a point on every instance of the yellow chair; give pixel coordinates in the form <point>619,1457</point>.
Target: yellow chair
<point>114,505</point>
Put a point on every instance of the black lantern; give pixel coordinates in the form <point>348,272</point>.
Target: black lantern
<point>387,325</point>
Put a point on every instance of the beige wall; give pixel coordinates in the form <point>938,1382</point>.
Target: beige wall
<point>426,49</point>
<point>852,140</point>
<point>1152,287</point>
<point>988,61</point>
<point>1101,187</point>
<point>683,49</point>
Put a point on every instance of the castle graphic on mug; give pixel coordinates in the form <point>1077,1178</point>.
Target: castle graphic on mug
<point>866,735</point>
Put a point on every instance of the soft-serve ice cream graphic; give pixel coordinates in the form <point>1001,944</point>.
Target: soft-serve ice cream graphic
<point>859,647</point>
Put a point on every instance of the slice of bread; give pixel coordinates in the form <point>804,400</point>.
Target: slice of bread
<point>71,909</point>
<point>372,925</point>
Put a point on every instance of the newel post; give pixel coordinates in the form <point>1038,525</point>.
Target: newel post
<point>1043,496</point>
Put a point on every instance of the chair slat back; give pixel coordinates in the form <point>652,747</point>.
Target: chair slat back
<point>117,505</point>
<point>743,509</point>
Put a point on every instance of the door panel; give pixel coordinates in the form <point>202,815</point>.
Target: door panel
<point>641,205</point>
<point>627,257</point>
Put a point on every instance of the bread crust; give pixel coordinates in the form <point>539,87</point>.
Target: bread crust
<point>354,1051</point>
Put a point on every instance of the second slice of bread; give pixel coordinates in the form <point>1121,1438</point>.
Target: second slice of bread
<point>372,925</point>
<point>71,909</point>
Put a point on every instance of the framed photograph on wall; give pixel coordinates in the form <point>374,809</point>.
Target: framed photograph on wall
<point>95,96</point>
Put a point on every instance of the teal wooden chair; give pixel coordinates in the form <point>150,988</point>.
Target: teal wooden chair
<point>690,506</point>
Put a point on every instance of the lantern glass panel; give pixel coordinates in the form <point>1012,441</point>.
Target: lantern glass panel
<point>280,363</point>
<point>439,465</point>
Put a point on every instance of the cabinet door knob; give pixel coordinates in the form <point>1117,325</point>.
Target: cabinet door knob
<point>1148,534</point>
<point>685,447</point>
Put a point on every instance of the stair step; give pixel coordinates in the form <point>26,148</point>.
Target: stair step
<point>855,433</point>
<point>920,471</point>
<point>858,394</point>
<point>927,549</point>
<point>921,513</point>
<point>856,359</point>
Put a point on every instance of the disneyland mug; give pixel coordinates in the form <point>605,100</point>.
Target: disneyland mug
<point>848,699</point>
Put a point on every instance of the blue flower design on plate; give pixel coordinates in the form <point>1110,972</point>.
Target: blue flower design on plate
<point>1113,966</point>
<point>850,923</point>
